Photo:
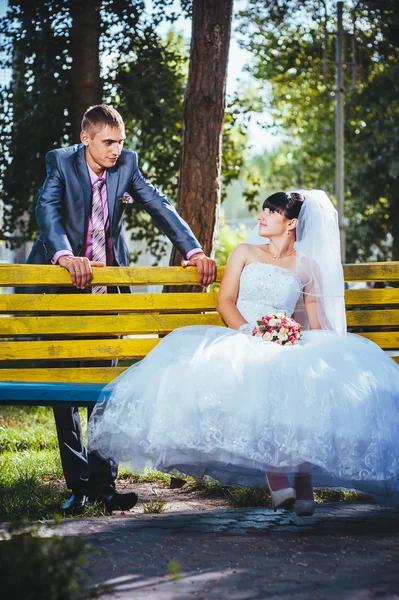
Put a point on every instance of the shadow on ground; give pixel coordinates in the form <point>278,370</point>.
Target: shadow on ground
<point>344,551</point>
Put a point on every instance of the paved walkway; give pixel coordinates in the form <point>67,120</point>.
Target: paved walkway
<point>345,551</point>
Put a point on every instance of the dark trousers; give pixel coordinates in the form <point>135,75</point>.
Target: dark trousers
<point>84,472</point>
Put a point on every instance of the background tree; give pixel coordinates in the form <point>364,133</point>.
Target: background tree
<point>86,83</point>
<point>34,106</point>
<point>203,118</point>
<point>286,39</point>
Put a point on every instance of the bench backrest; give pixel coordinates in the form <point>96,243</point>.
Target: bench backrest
<point>38,330</point>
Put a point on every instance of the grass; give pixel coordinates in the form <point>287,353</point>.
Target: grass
<point>31,480</point>
<point>26,428</point>
<point>155,506</point>
<point>30,468</point>
<point>148,476</point>
<point>247,496</point>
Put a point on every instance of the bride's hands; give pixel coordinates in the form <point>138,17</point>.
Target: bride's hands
<point>246,329</point>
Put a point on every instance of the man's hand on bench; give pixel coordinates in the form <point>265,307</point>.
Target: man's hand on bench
<point>206,268</point>
<point>80,269</point>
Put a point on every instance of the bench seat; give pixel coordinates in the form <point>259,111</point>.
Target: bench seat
<point>49,394</point>
<point>42,334</point>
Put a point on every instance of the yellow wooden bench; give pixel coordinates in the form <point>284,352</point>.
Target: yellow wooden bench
<point>32,326</point>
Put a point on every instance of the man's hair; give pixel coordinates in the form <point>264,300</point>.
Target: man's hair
<point>99,116</point>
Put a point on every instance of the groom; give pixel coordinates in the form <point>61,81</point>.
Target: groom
<point>80,217</point>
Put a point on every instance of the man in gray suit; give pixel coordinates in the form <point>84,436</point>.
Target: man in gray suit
<point>80,218</point>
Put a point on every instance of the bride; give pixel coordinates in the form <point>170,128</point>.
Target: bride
<point>223,403</point>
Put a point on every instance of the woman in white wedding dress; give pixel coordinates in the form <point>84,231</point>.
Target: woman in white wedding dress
<point>220,402</point>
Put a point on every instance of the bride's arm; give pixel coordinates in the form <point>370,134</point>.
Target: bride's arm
<point>312,293</point>
<point>229,288</point>
<point>314,305</point>
<point>310,302</point>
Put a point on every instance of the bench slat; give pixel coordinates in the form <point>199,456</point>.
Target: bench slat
<point>101,375</point>
<point>372,318</point>
<point>54,275</point>
<point>25,275</point>
<point>179,302</point>
<point>153,324</point>
<point>106,303</point>
<point>372,297</point>
<point>386,271</point>
<point>71,350</point>
<point>103,325</point>
<point>387,340</point>
<point>123,348</point>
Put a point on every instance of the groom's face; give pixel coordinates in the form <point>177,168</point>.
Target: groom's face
<point>103,148</point>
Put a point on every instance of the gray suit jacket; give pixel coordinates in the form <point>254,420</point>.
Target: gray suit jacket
<point>64,205</point>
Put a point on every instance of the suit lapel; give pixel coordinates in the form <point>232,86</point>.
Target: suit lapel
<point>112,187</point>
<point>84,178</point>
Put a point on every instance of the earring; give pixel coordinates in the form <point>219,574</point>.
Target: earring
<point>288,232</point>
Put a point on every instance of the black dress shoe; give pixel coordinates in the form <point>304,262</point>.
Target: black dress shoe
<point>75,505</point>
<point>115,501</point>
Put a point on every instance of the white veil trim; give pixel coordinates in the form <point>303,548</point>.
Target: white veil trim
<point>318,259</point>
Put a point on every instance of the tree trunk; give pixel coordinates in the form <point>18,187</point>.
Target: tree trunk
<point>85,72</point>
<point>394,217</point>
<point>204,105</point>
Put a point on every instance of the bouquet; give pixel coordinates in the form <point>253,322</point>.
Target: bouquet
<point>278,328</point>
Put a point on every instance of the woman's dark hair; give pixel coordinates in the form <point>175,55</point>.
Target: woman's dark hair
<point>287,204</point>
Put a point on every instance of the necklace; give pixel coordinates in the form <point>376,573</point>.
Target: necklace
<point>282,255</point>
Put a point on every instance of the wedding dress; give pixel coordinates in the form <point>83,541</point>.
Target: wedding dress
<point>211,401</point>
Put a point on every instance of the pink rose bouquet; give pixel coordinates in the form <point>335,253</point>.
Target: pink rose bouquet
<point>278,328</point>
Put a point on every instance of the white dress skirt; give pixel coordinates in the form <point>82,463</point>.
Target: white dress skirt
<point>210,401</point>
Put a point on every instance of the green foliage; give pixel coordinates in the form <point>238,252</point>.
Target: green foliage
<point>155,506</point>
<point>247,496</point>
<point>286,39</point>
<point>147,476</point>
<point>237,496</point>
<point>227,239</point>
<point>35,568</point>
<point>149,89</point>
<point>33,106</point>
<point>327,495</point>
<point>174,570</point>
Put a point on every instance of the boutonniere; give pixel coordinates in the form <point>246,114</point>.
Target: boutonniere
<point>126,199</point>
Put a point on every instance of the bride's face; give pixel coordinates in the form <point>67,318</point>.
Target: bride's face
<point>272,223</point>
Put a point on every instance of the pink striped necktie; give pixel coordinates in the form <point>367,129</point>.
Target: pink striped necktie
<point>98,231</point>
